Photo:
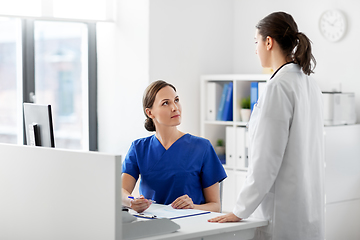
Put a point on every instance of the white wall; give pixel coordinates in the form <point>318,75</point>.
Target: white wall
<point>179,40</point>
<point>187,39</point>
<point>176,41</point>
<point>123,74</point>
<point>337,63</point>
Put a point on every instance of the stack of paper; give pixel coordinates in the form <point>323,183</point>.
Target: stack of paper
<point>167,211</point>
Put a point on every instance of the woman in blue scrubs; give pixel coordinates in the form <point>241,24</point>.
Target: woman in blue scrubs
<point>176,168</point>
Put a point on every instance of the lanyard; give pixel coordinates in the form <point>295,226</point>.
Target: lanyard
<point>279,69</point>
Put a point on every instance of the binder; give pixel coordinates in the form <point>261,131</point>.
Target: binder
<point>228,106</point>
<point>230,147</point>
<point>253,94</point>
<point>222,103</point>
<point>247,142</point>
<point>236,148</point>
<point>241,145</point>
<point>214,93</point>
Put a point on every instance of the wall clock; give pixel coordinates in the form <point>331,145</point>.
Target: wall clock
<point>333,25</point>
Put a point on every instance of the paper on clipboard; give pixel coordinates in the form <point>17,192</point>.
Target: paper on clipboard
<point>167,211</point>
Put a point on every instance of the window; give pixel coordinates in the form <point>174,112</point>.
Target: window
<point>21,8</point>
<point>93,10</point>
<point>61,76</point>
<point>49,62</point>
<point>10,80</point>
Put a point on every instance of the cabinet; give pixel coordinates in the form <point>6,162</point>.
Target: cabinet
<point>234,133</point>
<point>342,182</point>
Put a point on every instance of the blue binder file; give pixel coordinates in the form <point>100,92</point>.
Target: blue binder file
<point>253,94</point>
<point>227,112</point>
<point>222,103</point>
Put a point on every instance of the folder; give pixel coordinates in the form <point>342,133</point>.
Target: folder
<point>214,92</point>
<point>228,105</point>
<point>253,94</point>
<point>230,147</point>
<point>247,143</point>
<point>222,103</point>
<point>241,145</point>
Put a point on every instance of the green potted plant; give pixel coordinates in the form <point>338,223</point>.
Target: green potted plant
<point>245,109</point>
<point>220,147</point>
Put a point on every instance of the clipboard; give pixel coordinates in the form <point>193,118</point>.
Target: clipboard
<point>166,211</point>
<point>190,215</point>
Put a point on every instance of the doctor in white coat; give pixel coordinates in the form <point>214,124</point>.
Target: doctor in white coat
<point>284,184</point>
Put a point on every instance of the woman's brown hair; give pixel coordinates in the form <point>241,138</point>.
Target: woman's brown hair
<point>149,98</point>
<point>295,45</point>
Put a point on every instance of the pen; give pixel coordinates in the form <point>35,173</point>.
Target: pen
<point>142,215</point>
<point>150,200</point>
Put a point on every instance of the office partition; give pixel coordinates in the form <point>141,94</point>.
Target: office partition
<point>48,193</point>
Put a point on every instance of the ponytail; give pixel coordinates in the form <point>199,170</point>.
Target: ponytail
<point>295,45</point>
<point>303,55</point>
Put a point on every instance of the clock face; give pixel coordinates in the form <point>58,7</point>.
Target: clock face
<point>333,25</point>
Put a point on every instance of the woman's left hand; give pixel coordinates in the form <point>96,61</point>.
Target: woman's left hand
<point>230,217</point>
<point>183,202</point>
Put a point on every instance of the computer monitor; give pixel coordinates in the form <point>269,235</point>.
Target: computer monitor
<point>38,125</point>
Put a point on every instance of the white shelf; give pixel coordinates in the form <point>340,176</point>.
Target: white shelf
<point>236,169</point>
<point>226,123</point>
<point>236,77</point>
<point>236,139</point>
<point>241,89</point>
<point>241,124</point>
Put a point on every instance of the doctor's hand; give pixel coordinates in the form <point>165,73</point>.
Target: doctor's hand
<point>230,217</point>
<point>183,202</point>
<point>140,204</point>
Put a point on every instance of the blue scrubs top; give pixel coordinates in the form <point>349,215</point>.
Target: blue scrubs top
<point>187,167</point>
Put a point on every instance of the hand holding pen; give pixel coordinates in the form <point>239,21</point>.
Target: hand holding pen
<point>139,204</point>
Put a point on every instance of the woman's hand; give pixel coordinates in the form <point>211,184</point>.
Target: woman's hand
<point>140,204</point>
<point>183,202</point>
<point>230,217</point>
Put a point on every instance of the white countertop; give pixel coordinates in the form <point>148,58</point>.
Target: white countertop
<point>198,227</point>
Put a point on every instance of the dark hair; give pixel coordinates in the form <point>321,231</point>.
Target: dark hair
<point>295,45</point>
<point>149,98</point>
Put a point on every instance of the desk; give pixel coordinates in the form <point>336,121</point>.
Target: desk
<point>48,193</point>
<point>198,228</point>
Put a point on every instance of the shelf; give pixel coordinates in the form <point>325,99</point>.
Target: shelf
<point>226,123</point>
<point>234,133</point>
<point>236,77</point>
<point>242,124</point>
<point>235,169</point>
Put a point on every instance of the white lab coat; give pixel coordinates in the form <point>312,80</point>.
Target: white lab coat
<point>284,184</point>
